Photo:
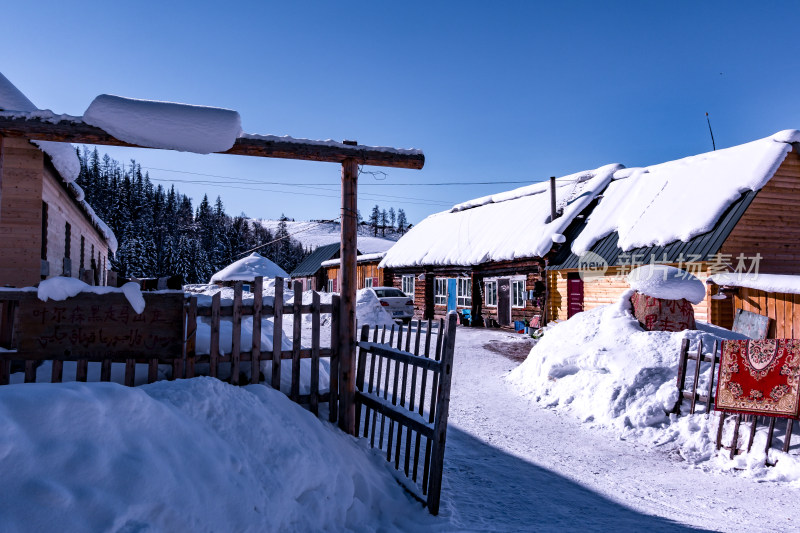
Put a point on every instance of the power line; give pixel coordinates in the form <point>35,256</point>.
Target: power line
<point>366,183</point>
<point>320,223</point>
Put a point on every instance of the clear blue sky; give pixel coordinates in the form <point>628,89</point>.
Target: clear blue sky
<point>491,91</point>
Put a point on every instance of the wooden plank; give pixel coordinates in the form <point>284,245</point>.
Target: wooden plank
<point>442,411</point>
<point>105,370</point>
<point>770,435</point>
<point>266,310</point>
<point>796,316</point>
<point>74,130</point>
<point>214,343</point>
<point>787,441</point>
<point>7,321</point>
<point>396,374</point>
<point>386,385</point>
<point>152,371</point>
<point>780,317</point>
<point>361,369</point>
<point>255,358</point>
<point>277,335</point>
<point>433,408</point>
<point>57,373</point>
<point>5,372</point>
<point>370,382</point>
<point>412,396</point>
<point>315,342</point>
<point>720,426</point>
<point>422,391</point>
<point>696,379</point>
<point>130,372</point>
<point>400,356</point>
<point>236,339</point>
<point>403,401</point>
<point>296,327</point>
<point>376,390</point>
<point>735,439</point>
<point>752,436</point>
<point>191,336</point>
<point>710,390</point>
<point>333,406</point>
<point>398,416</point>
<point>349,283</point>
<point>682,359</point>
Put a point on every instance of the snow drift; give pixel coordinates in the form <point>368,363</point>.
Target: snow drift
<point>188,455</point>
<point>602,367</point>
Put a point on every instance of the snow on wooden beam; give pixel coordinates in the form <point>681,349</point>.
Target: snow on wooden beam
<point>46,126</point>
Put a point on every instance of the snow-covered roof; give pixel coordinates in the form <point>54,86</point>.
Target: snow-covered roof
<point>780,283</point>
<point>365,258</point>
<point>248,268</point>
<point>510,225</point>
<point>62,155</point>
<point>678,200</point>
<point>667,283</point>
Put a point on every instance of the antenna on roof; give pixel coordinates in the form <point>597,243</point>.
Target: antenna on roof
<point>713,144</point>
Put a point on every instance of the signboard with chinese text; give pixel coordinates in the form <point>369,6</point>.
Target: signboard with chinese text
<point>96,326</point>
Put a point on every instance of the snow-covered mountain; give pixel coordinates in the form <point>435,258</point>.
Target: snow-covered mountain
<point>314,234</point>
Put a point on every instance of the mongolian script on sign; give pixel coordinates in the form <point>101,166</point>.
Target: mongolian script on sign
<point>101,325</point>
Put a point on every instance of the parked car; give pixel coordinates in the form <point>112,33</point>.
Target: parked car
<point>396,302</point>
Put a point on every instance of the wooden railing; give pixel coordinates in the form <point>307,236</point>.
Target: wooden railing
<point>391,402</point>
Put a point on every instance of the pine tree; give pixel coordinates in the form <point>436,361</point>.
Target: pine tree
<point>374,219</point>
<point>402,223</point>
<point>392,217</point>
<point>384,219</point>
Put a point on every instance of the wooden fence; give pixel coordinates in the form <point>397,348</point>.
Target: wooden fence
<point>690,392</point>
<point>391,402</point>
<point>110,333</point>
<point>782,309</point>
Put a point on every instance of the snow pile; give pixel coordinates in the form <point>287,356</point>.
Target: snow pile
<point>779,283</point>
<point>248,268</point>
<point>642,204</point>
<point>500,227</point>
<point>369,310</point>
<point>187,455</point>
<point>167,125</point>
<point>602,367</point>
<point>667,283</point>
<point>59,289</point>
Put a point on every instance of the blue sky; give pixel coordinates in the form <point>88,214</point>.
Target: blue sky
<point>492,92</point>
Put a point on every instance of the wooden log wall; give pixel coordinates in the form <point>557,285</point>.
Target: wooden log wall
<point>771,225</point>
<point>782,309</point>
<point>363,271</point>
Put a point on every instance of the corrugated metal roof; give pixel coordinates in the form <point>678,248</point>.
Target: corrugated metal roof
<point>313,262</point>
<point>700,248</point>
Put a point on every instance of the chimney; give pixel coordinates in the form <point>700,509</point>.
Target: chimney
<point>553,213</point>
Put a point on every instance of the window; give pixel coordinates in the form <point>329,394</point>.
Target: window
<point>389,293</point>
<point>518,293</point>
<point>83,250</point>
<point>67,240</point>
<point>330,285</point>
<point>464,294</point>
<point>440,291</point>
<point>408,286</point>
<point>491,294</point>
<point>367,283</point>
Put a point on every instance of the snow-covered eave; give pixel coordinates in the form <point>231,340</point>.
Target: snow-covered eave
<point>365,258</point>
<point>48,126</point>
<point>776,283</point>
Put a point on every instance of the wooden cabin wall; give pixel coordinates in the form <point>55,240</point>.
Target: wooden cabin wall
<point>363,271</point>
<point>771,225</point>
<point>783,309</point>
<point>21,165</point>
<point>62,209</point>
<point>604,290</point>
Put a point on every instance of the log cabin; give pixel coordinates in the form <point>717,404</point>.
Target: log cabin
<point>310,271</point>
<point>46,227</point>
<point>487,256</point>
<point>731,210</point>
<point>368,274</point>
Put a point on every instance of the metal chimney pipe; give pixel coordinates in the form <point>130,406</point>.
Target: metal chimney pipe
<point>553,214</point>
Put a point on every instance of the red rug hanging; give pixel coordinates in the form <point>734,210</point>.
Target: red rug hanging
<point>760,377</point>
<point>655,314</point>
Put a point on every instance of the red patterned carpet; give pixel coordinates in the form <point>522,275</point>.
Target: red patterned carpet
<point>759,377</point>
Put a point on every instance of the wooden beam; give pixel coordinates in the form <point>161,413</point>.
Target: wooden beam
<point>347,289</point>
<point>69,129</point>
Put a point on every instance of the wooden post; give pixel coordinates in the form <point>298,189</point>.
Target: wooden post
<point>236,341</point>
<point>347,290</point>
<point>277,334</point>
<point>191,336</point>
<point>255,354</point>
<point>442,412</point>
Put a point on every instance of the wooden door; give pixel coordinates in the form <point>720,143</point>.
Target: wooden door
<point>574,294</point>
<point>452,288</point>
<point>504,301</point>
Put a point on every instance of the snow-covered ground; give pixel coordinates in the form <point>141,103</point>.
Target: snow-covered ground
<point>314,234</point>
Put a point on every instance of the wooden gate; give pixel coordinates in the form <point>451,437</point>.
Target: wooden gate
<point>391,400</point>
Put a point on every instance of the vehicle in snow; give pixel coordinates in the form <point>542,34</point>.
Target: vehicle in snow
<point>396,302</point>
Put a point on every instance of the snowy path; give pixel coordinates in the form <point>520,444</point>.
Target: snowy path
<point>513,466</point>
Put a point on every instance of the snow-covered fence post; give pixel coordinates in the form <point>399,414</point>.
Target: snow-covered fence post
<point>442,412</point>
<point>255,353</point>
<point>191,337</point>
<point>348,282</point>
<point>277,333</point>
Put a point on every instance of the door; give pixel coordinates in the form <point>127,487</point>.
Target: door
<point>452,287</point>
<point>504,302</point>
<point>574,294</point>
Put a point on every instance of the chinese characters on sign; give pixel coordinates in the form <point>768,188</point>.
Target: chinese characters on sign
<point>90,325</point>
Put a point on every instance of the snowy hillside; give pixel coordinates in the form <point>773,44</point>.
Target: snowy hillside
<point>314,234</point>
